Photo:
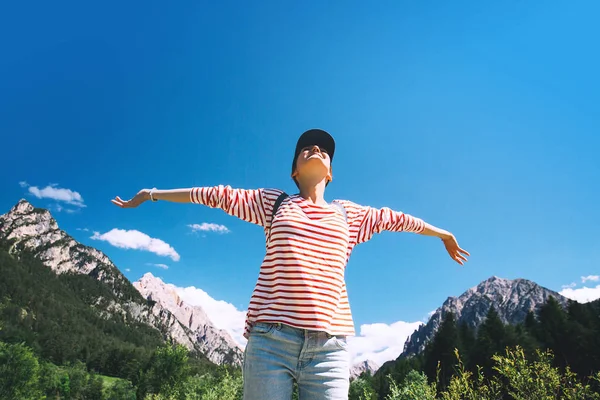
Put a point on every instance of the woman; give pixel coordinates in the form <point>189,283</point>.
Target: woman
<point>299,316</point>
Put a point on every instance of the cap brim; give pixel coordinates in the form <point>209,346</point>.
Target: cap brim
<point>317,137</point>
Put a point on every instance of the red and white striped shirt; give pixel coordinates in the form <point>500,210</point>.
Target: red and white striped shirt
<point>301,281</point>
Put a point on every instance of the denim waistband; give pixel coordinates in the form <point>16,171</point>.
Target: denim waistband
<point>305,333</point>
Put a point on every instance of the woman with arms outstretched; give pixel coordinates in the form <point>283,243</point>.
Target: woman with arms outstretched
<point>299,316</point>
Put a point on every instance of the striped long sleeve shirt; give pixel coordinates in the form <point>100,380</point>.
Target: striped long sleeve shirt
<point>301,280</point>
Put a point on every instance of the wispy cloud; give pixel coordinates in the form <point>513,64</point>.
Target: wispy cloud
<point>582,295</point>
<point>162,266</point>
<point>208,227</point>
<point>590,278</point>
<point>54,192</point>
<point>569,286</point>
<point>127,270</point>
<point>83,229</point>
<point>133,239</point>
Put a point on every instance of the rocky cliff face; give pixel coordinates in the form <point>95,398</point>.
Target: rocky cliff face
<point>36,231</point>
<point>215,343</point>
<point>367,365</point>
<point>512,299</point>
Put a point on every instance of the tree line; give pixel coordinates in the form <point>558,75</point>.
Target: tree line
<point>170,373</point>
<point>566,341</point>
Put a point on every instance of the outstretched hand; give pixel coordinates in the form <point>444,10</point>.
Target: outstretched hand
<point>142,196</point>
<point>456,253</point>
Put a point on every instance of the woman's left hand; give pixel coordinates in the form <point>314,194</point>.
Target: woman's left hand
<point>456,253</point>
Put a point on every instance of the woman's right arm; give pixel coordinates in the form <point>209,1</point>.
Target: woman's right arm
<point>253,205</point>
<point>175,195</point>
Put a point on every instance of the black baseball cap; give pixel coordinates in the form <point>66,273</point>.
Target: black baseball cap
<point>313,137</point>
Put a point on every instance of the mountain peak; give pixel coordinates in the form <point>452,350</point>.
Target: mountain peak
<point>149,277</point>
<point>35,230</point>
<point>217,344</point>
<point>22,207</point>
<point>512,299</point>
<point>363,366</point>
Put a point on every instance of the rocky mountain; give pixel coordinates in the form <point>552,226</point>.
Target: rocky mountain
<point>367,365</point>
<point>512,299</point>
<point>32,229</point>
<point>215,343</point>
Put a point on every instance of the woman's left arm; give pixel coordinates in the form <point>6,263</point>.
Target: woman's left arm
<point>375,220</point>
<point>454,250</point>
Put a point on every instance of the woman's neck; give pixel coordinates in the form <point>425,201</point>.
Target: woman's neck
<point>314,193</point>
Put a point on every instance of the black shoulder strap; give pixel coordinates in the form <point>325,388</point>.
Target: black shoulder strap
<point>278,202</point>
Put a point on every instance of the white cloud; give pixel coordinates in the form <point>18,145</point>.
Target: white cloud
<point>569,286</point>
<point>83,229</point>
<point>132,239</point>
<point>162,266</point>
<point>591,278</point>
<point>223,315</point>
<point>209,227</point>
<point>380,342</point>
<point>582,295</point>
<point>55,193</point>
<point>127,270</point>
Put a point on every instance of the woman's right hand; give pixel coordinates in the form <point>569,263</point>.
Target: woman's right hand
<point>142,196</point>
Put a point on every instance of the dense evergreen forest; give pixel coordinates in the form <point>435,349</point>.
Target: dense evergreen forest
<point>64,320</point>
<point>568,340</point>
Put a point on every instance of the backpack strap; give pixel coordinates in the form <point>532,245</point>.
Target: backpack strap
<point>278,202</point>
<point>341,209</point>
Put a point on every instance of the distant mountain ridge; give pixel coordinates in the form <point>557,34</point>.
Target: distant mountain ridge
<point>369,366</point>
<point>215,343</point>
<point>512,299</point>
<point>35,230</point>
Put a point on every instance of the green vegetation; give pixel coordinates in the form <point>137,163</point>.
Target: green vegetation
<point>169,374</point>
<point>516,378</point>
<point>552,355</point>
<point>60,318</point>
<point>58,340</point>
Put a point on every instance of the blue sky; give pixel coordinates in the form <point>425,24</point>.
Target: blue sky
<point>480,118</point>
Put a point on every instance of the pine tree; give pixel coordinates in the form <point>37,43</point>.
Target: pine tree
<point>583,343</point>
<point>553,331</point>
<point>441,350</point>
<point>467,340</point>
<point>491,339</point>
<point>531,323</point>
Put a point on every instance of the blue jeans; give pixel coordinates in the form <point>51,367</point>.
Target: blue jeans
<point>277,354</point>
